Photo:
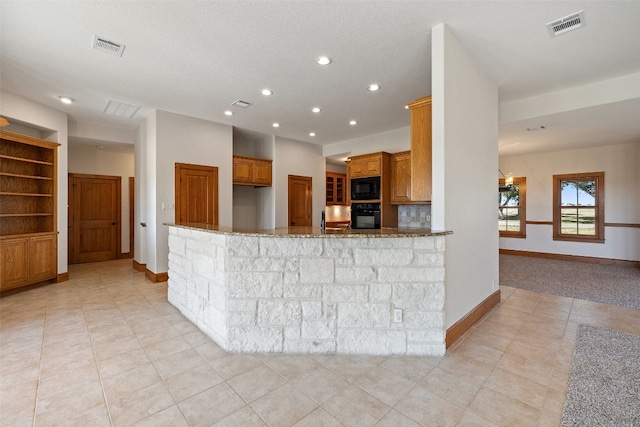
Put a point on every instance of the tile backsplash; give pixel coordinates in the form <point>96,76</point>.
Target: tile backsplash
<point>414,216</point>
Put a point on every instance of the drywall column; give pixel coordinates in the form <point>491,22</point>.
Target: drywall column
<point>465,163</point>
<point>140,194</point>
<point>27,111</point>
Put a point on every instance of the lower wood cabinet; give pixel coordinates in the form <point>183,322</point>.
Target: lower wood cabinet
<point>28,260</point>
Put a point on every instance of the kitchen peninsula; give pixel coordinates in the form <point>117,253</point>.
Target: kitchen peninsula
<point>302,290</point>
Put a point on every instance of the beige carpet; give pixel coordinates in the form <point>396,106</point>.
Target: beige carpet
<point>593,282</point>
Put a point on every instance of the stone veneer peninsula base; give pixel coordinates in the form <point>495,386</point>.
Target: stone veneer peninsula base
<point>303,291</point>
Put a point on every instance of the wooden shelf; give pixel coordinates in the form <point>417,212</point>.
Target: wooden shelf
<point>10,215</point>
<point>22,159</point>
<point>26,194</point>
<point>15,175</point>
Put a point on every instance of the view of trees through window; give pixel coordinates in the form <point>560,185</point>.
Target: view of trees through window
<point>511,209</point>
<point>578,208</point>
<point>578,212</point>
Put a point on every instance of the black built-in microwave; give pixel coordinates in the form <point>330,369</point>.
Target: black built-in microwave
<point>365,188</point>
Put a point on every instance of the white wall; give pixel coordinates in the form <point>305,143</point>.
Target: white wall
<point>465,161</point>
<point>53,123</point>
<point>174,138</point>
<point>298,158</point>
<point>140,234</point>
<point>393,141</point>
<point>621,167</point>
<point>91,160</point>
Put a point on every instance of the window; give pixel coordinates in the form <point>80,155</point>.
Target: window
<point>578,207</point>
<point>511,208</point>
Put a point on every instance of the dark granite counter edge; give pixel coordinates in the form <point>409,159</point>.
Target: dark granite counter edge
<point>305,232</point>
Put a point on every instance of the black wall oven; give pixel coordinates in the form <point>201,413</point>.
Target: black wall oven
<point>365,215</point>
<point>365,188</point>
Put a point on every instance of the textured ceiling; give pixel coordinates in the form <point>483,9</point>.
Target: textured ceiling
<point>196,58</point>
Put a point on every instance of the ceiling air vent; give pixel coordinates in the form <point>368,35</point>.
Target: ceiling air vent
<point>120,109</point>
<point>104,45</point>
<point>566,24</point>
<point>242,104</point>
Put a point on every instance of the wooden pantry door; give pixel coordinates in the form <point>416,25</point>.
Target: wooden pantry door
<point>300,198</point>
<point>196,194</point>
<point>94,218</point>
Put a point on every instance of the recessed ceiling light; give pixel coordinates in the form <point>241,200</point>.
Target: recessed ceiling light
<point>374,87</point>
<point>276,125</point>
<point>66,99</point>
<point>266,92</point>
<point>353,122</point>
<point>312,134</point>
<point>228,113</point>
<point>316,109</point>
<point>324,60</point>
<point>535,128</point>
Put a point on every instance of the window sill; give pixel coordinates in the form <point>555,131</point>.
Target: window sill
<point>578,239</point>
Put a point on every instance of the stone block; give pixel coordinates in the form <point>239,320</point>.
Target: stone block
<point>330,311</point>
<point>311,309</point>
<point>203,265</point>
<point>418,296</point>
<point>292,332</point>
<point>279,312</point>
<point>290,247</point>
<point>371,342</point>
<point>319,329</point>
<point>316,270</point>
<point>177,244</point>
<point>355,275</point>
<point>353,315</point>
<point>411,274</point>
<point>429,259</point>
<point>423,320</point>
<point>242,305</point>
<point>261,264</point>
<point>243,246</point>
<point>390,242</point>
<point>256,339</point>
<point>291,277</point>
<point>440,243</point>
<point>241,318</point>
<point>332,294</point>
<point>309,346</point>
<point>303,291</point>
<point>383,257</point>
<point>427,336</point>
<point>254,285</point>
<point>380,292</point>
<point>424,242</point>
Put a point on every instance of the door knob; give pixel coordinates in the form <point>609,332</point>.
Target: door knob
<point>113,223</point>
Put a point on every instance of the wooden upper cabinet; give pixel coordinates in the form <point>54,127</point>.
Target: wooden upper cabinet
<point>401,177</point>
<point>336,190</point>
<point>252,171</point>
<point>365,165</point>
<point>421,167</point>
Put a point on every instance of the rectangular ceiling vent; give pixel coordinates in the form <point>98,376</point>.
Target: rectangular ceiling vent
<point>120,109</point>
<point>104,45</point>
<point>566,24</point>
<point>242,104</point>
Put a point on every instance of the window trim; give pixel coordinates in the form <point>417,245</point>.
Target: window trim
<point>598,177</point>
<point>522,234</point>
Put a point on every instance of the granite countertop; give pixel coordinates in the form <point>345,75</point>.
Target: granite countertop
<point>316,231</point>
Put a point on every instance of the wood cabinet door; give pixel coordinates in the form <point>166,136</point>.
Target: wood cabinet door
<point>14,254</point>
<point>242,170</point>
<point>421,167</point>
<point>196,194</point>
<point>96,217</point>
<point>42,258</point>
<point>401,177</point>
<point>262,172</point>
<point>300,200</point>
<point>336,188</point>
<point>366,166</point>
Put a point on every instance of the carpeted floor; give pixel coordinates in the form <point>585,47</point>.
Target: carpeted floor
<point>593,282</point>
<point>604,383</point>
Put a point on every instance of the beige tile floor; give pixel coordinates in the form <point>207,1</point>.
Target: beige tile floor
<point>105,348</point>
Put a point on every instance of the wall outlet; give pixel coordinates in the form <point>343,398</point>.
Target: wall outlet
<point>428,218</point>
<point>397,315</point>
<point>493,285</point>
<point>166,206</point>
